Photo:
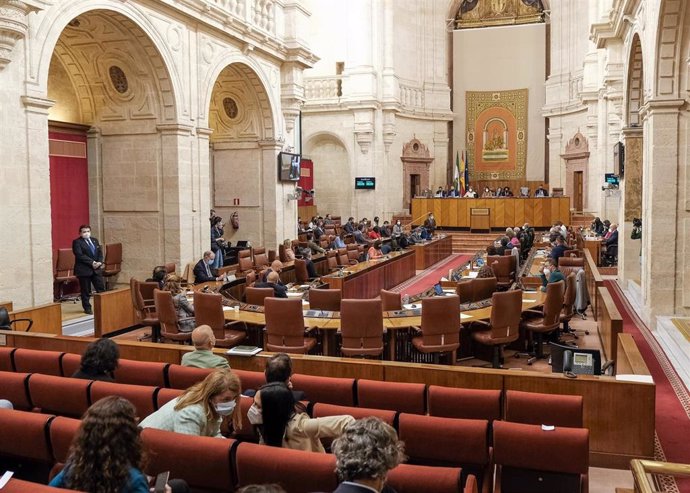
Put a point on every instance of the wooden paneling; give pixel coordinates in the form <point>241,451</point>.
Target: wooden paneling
<point>594,282</point>
<point>629,360</point>
<point>470,378</point>
<point>47,318</point>
<point>610,323</point>
<point>113,310</point>
<point>7,305</point>
<point>306,212</point>
<point>427,254</point>
<point>509,212</point>
<point>514,185</point>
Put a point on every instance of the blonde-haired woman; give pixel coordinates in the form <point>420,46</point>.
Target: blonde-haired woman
<point>202,407</point>
<point>184,310</point>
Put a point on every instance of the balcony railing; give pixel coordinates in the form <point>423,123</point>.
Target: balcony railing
<point>258,13</point>
<point>323,88</point>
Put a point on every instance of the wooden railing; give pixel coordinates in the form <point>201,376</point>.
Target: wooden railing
<point>619,414</point>
<point>629,360</point>
<point>594,282</point>
<point>113,311</point>
<point>610,323</point>
<point>47,318</point>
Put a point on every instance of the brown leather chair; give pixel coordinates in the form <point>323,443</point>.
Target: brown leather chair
<point>145,309</point>
<point>391,301</point>
<point>504,267</point>
<point>544,322</point>
<point>323,242</point>
<point>353,253</point>
<point>285,326</point>
<point>208,310</point>
<point>250,279</point>
<point>64,273</point>
<point>112,262</point>
<point>504,325</point>
<point>271,256</point>
<point>484,288</point>
<point>301,273</point>
<point>332,260</point>
<point>170,326</point>
<point>281,253</point>
<point>343,259</point>
<point>257,296</point>
<point>570,264</point>
<point>244,262</point>
<point>569,302</point>
<point>440,330</point>
<point>325,299</point>
<point>465,291</point>
<point>260,258</point>
<point>361,328</point>
<point>170,268</point>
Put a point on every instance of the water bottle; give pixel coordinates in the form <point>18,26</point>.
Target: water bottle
<point>405,299</point>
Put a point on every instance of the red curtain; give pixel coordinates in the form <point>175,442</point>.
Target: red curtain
<point>306,182</point>
<point>69,187</point>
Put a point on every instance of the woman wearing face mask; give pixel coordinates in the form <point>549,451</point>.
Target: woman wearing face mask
<point>202,407</point>
<point>549,273</point>
<point>184,310</point>
<point>280,424</point>
<point>487,193</point>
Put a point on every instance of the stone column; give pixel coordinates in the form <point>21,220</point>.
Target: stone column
<point>278,216</point>
<point>631,207</point>
<point>660,276</point>
<point>201,192</point>
<point>94,159</point>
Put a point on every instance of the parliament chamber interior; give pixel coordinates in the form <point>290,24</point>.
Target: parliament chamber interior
<point>447,237</point>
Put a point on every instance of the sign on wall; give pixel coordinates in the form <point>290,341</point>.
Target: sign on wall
<point>497,134</point>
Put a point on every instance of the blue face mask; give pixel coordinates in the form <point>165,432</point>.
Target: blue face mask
<point>210,261</point>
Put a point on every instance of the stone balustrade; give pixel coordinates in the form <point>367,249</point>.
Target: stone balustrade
<point>323,88</point>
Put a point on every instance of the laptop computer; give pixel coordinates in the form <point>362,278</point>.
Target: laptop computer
<point>242,244</point>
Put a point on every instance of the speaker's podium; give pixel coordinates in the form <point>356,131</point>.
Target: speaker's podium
<point>480,219</point>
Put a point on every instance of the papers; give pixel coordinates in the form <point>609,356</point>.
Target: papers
<point>228,308</point>
<point>635,378</point>
<point>471,275</point>
<point>548,427</point>
<point>464,316</point>
<point>449,290</point>
<point>243,351</point>
<point>294,294</point>
<point>528,300</point>
<point>5,478</point>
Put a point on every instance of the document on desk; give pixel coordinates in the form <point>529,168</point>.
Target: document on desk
<point>471,275</point>
<point>528,300</point>
<point>635,378</point>
<point>464,316</point>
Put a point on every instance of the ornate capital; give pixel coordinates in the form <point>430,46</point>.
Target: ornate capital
<point>291,111</point>
<point>14,24</point>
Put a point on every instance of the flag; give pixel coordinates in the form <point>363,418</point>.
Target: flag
<point>463,173</point>
<point>467,172</point>
<point>456,171</point>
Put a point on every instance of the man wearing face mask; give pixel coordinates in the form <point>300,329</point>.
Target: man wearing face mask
<point>88,265</point>
<point>550,273</point>
<point>203,270</point>
<point>202,356</point>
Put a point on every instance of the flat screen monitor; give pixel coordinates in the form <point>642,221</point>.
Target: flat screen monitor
<point>365,183</point>
<point>612,179</point>
<point>575,360</point>
<point>289,166</point>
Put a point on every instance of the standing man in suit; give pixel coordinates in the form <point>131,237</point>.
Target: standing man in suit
<point>88,265</point>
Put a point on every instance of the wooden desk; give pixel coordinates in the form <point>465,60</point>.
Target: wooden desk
<point>504,212</point>
<point>366,279</point>
<point>594,247</point>
<point>430,252</point>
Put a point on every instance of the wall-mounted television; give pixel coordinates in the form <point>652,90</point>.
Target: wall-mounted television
<point>365,183</point>
<point>612,179</point>
<point>289,166</point>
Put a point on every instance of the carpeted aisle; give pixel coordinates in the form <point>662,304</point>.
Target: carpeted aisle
<point>672,398</point>
<point>431,276</point>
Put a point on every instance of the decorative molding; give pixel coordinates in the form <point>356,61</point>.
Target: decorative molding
<point>13,26</point>
<point>486,13</point>
<point>37,105</point>
<point>175,129</point>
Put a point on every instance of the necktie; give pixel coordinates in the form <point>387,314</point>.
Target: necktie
<point>208,270</point>
<point>91,246</point>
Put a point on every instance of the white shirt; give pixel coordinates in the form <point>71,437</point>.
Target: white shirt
<point>359,485</point>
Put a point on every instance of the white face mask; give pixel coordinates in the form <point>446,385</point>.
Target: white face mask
<point>547,272</point>
<point>254,415</point>
<point>225,408</point>
<point>86,235</point>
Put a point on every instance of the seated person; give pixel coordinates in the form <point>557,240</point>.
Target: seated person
<point>279,369</point>
<point>359,235</point>
<point>273,282</point>
<point>289,252</point>
<point>158,276</point>
<point>385,230</point>
<point>305,253</point>
<point>612,237</point>
<point>487,193</point>
<point>99,361</point>
<point>500,250</point>
<point>313,246</point>
<point>470,194</point>
<point>203,271</point>
<point>280,424</point>
<point>185,311</point>
<point>201,408</point>
<point>429,225</point>
<point>439,193</point>
<point>374,233</point>
<point>276,266</point>
<point>364,453</point>
<point>318,229</point>
<point>349,226</point>
<point>541,192</point>
<point>559,249</point>
<point>549,273</point>
<point>485,271</point>
<point>507,192</point>
<point>375,251</point>
<point>202,356</point>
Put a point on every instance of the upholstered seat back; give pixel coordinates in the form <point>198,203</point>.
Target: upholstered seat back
<point>361,324</point>
<point>325,299</point>
<point>113,259</point>
<point>208,310</point>
<point>441,321</point>
<point>506,309</point>
<point>257,296</point>
<point>284,323</point>
<point>391,300</point>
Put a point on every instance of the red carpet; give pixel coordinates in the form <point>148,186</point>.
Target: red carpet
<point>672,399</point>
<point>431,276</point>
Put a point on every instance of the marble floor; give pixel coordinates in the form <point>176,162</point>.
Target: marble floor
<point>607,480</point>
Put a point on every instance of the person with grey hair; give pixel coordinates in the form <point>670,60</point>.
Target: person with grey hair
<point>364,453</point>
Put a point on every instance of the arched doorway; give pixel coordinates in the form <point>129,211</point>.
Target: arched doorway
<point>333,180</point>
<point>113,93</point>
<point>630,250</point>
<point>243,156</point>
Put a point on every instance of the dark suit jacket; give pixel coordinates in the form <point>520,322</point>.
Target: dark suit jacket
<point>200,274</point>
<point>613,239</point>
<point>83,257</point>
<point>353,488</point>
<point>279,290</point>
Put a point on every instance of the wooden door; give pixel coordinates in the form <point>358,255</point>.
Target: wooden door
<point>578,185</point>
<point>415,187</point>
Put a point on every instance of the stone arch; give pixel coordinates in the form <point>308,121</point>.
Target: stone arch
<point>333,179</point>
<point>53,25</point>
<point>253,72</point>
<point>635,86</point>
<point>668,49</point>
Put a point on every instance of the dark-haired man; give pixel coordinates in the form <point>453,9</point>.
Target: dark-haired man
<point>88,265</point>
